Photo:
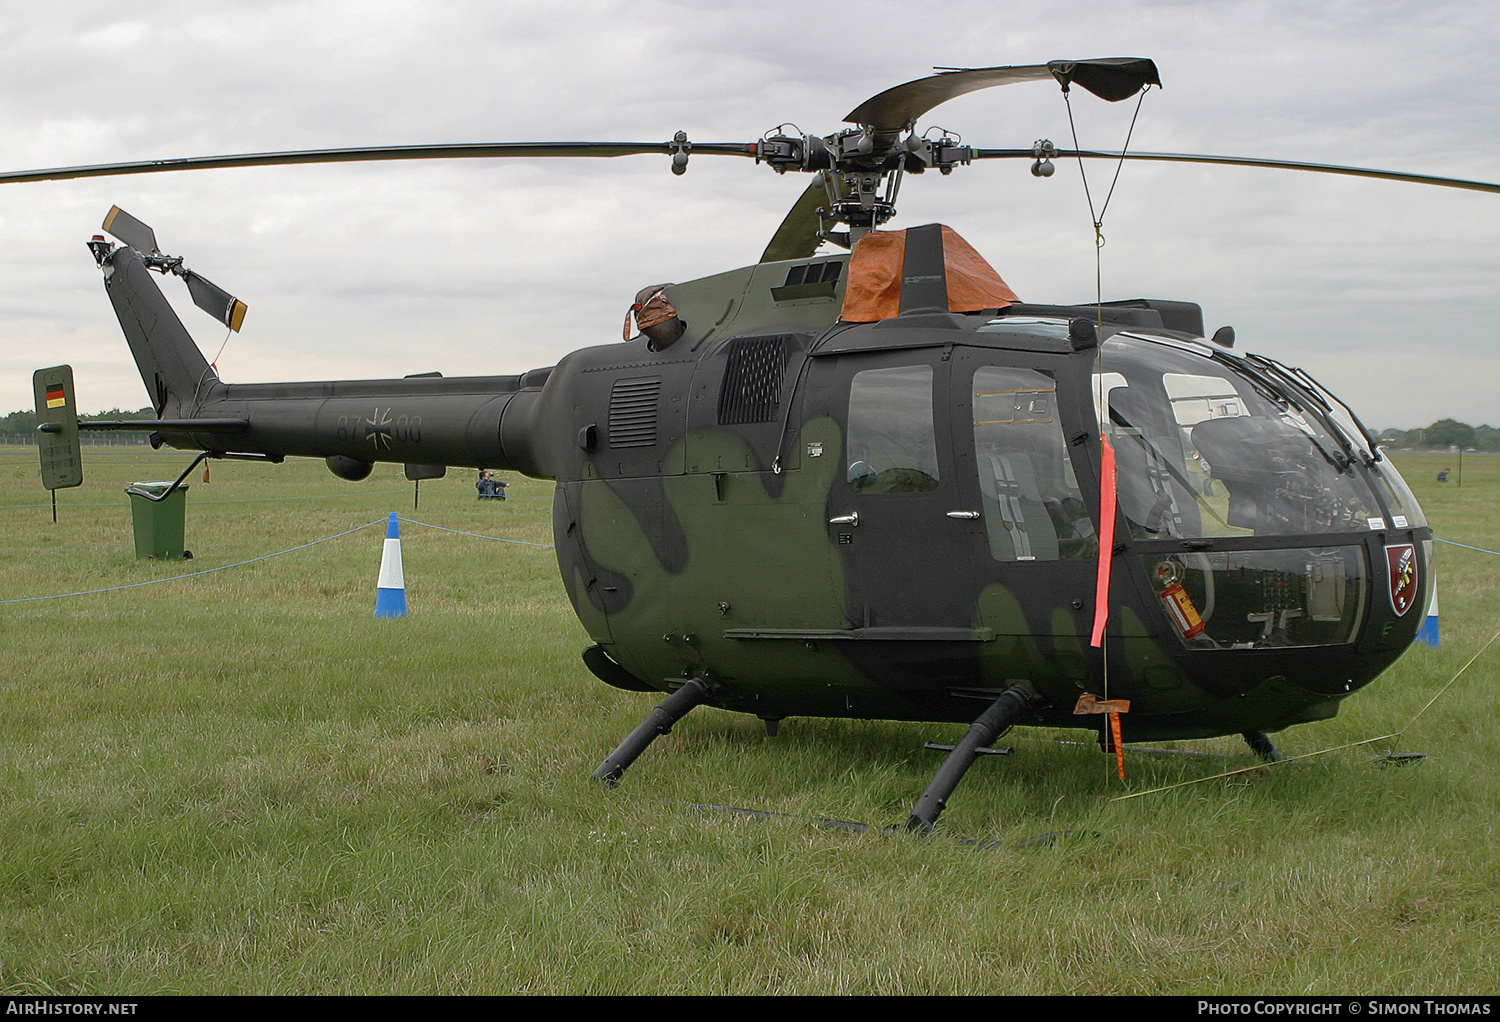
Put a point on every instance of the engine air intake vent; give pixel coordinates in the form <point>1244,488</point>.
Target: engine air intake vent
<point>632,412</point>
<point>751,390</point>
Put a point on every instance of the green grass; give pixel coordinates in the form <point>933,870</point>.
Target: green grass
<point>243,783</point>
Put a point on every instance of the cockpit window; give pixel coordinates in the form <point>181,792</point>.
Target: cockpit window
<point>1196,398</point>
<point>1205,451</point>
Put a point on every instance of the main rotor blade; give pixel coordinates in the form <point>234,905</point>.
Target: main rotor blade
<point>1111,78</point>
<point>1249,161</point>
<point>459,151</point>
<point>131,231</point>
<point>797,237</point>
<point>215,301</point>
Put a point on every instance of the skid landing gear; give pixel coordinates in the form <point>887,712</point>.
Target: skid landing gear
<point>1001,715</point>
<point>659,722</point>
<point>1261,745</point>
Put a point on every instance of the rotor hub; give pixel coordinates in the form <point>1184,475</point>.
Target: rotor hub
<point>861,168</point>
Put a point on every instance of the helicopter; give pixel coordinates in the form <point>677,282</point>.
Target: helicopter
<point>872,482</point>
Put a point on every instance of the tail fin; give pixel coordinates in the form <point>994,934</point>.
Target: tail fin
<point>175,373</point>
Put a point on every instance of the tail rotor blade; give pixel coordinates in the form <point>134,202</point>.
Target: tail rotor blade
<point>131,231</point>
<point>215,301</point>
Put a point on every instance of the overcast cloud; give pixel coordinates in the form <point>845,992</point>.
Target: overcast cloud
<point>1386,292</point>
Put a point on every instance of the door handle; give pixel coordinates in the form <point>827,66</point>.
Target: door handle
<point>850,519</point>
<point>963,514</point>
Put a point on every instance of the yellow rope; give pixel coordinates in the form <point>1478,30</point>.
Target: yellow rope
<point>1335,748</point>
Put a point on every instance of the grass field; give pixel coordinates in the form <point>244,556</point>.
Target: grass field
<point>241,782</point>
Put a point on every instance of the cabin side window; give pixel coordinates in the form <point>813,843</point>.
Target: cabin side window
<point>892,445</point>
<point>1033,510</point>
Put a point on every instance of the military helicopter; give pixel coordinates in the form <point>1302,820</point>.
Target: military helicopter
<point>874,483</point>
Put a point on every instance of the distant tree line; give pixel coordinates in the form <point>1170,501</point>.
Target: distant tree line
<point>1443,434</point>
<point>20,427</point>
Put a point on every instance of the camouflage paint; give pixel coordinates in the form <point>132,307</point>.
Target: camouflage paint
<point>694,537</point>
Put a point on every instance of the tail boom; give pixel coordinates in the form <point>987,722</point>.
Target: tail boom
<point>424,420</point>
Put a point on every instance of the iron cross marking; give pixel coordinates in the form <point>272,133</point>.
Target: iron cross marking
<point>378,429</point>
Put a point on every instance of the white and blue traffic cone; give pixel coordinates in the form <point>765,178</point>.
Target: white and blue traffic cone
<point>390,587</point>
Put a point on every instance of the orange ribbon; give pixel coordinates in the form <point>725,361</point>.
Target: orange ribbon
<point>1090,703</point>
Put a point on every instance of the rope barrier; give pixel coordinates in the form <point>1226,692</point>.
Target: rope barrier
<point>262,557</point>
<point>1351,745</point>
<point>199,502</point>
<point>476,535</point>
<point>1310,755</point>
<point>1467,547</point>
<point>194,574</point>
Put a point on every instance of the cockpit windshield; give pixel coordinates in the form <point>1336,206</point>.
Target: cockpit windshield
<point>1405,512</point>
<point>1210,447</point>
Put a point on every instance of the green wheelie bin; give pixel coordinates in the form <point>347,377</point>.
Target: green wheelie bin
<point>159,523</point>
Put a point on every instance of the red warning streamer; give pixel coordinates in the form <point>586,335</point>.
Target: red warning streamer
<point>1106,539</point>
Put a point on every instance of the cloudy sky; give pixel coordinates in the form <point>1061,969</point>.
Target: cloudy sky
<point>1389,293</point>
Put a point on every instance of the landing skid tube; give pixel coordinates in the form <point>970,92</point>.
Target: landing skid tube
<point>659,722</point>
<point>1001,715</point>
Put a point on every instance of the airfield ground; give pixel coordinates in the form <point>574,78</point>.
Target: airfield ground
<point>241,782</point>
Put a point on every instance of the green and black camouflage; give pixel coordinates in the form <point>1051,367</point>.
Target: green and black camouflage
<point>900,519</point>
